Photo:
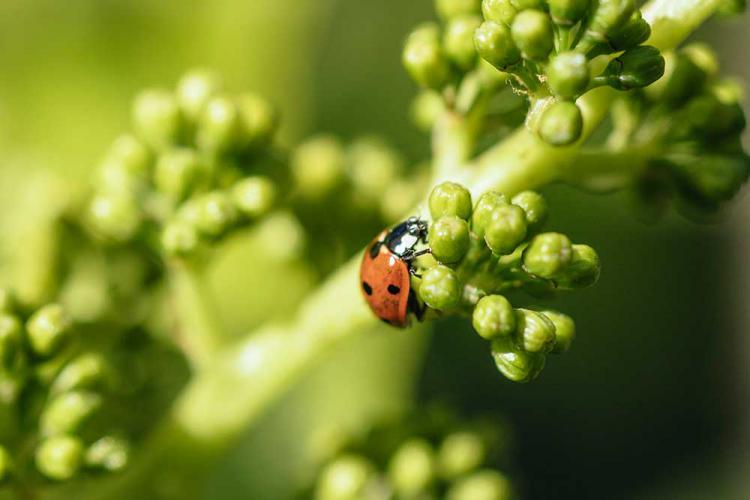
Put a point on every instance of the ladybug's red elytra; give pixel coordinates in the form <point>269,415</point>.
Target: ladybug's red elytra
<point>385,273</point>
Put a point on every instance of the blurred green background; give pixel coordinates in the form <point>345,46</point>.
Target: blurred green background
<point>650,402</point>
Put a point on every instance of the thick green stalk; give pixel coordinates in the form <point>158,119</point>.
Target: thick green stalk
<point>233,390</point>
<point>452,142</point>
<point>673,20</point>
<point>198,329</point>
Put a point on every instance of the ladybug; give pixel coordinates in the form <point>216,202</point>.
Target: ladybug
<point>385,273</point>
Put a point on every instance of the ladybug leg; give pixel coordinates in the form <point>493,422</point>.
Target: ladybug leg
<point>415,307</point>
<point>411,255</point>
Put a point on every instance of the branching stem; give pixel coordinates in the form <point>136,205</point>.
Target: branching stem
<point>239,383</point>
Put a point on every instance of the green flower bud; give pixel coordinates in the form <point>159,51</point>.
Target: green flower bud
<point>347,478</point>
<point>449,239</point>
<point>179,238</point>
<point>109,453</point>
<point>506,229</point>
<point>59,457</point>
<point>450,9</point>
<point>450,198</point>
<point>115,216</point>
<point>400,197</point>
<point>87,371</point>
<point>114,177</point>
<point>631,34</point>
<point>426,108</point>
<point>412,468</point>
<point>565,330</point>
<point>156,118</point>
<point>685,75</point>
<point>532,34</point>
<point>561,124</point>
<point>732,7</point>
<point>318,166</point>
<point>6,464</point>
<point>47,329</point>
<point>707,117</point>
<point>67,412</point>
<point>195,89</point>
<point>219,126</point>
<point>547,255</point>
<point>7,301</point>
<point>258,119</point>
<point>460,453</point>
<point>482,485</point>
<point>495,45</point>
<point>635,68</point>
<point>529,4</point>
<point>702,56</point>
<point>568,75</point>
<point>609,15</point>
<point>254,196</point>
<point>459,41</point>
<point>582,270</point>
<point>374,167</point>
<point>485,210</point>
<point>493,317</point>
<point>535,332</point>
<point>11,339</point>
<point>568,12</point>
<point>131,155</point>
<point>214,213</point>
<point>500,11</point>
<point>440,288</point>
<point>176,172</point>
<point>710,177</point>
<point>424,59</point>
<point>534,206</point>
<point>516,364</point>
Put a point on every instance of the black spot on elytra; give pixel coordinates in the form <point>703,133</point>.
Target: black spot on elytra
<point>367,288</point>
<point>393,289</point>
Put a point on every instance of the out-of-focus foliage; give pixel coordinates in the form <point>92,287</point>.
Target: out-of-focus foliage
<point>202,222</point>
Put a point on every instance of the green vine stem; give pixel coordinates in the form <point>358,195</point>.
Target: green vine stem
<point>199,331</point>
<point>238,384</point>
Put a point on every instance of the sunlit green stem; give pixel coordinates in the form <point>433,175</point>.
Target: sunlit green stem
<point>198,329</point>
<point>453,142</point>
<point>239,384</point>
<point>603,171</point>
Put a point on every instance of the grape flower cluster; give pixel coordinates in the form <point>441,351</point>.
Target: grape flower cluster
<point>550,51</point>
<point>686,129</point>
<point>428,455</point>
<point>55,393</point>
<point>482,252</point>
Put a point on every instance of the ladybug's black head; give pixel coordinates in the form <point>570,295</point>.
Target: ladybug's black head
<point>417,227</point>
<point>405,236</point>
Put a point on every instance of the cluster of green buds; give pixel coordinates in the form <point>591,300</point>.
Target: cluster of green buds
<point>198,165</point>
<point>442,59</point>
<point>482,252</point>
<point>686,129</point>
<point>344,193</point>
<point>52,393</point>
<point>202,163</point>
<point>552,49</point>
<point>425,459</point>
